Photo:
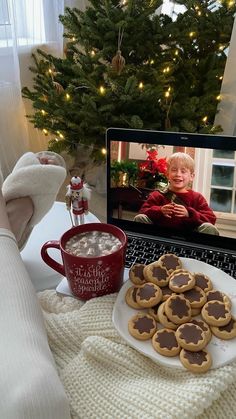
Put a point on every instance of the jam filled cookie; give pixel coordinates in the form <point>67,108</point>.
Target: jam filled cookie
<point>204,326</point>
<point>165,343</point>
<point>148,295</point>
<point>196,361</point>
<point>216,313</point>
<point>181,281</point>
<point>178,309</point>
<point>196,296</point>
<point>166,292</point>
<point>191,337</point>
<point>142,326</point>
<point>157,274</point>
<point>203,281</point>
<point>195,311</point>
<point>225,332</point>
<point>219,296</point>
<point>136,274</point>
<point>130,297</point>
<point>163,319</point>
<point>170,261</point>
<point>153,311</point>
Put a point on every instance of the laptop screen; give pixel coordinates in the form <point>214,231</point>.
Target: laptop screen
<point>196,203</point>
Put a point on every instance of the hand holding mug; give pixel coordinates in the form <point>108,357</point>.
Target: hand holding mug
<point>168,210</point>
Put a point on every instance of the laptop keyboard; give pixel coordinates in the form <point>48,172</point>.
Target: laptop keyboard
<point>140,250</point>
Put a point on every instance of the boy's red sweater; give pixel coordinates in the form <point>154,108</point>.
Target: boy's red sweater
<point>196,204</point>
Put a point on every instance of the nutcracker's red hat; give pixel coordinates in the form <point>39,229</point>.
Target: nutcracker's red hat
<point>76,183</point>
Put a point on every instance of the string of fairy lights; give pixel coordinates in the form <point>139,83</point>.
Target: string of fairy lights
<point>168,93</point>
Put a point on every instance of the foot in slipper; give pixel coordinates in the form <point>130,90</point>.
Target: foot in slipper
<point>30,191</point>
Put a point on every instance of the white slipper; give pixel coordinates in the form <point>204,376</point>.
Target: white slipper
<point>41,182</point>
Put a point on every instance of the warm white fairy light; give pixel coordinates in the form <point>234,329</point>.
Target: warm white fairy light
<point>176,52</point>
<point>60,134</point>
<point>73,39</point>
<point>231,3</point>
<point>67,96</point>
<point>167,94</point>
<point>92,53</point>
<point>218,97</point>
<point>221,47</point>
<point>43,112</point>
<point>141,85</point>
<point>221,78</point>
<point>45,131</point>
<point>166,69</point>
<point>102,90</point>
<point>103,151</point>
<point>191,34</point>
<point>205,119</point>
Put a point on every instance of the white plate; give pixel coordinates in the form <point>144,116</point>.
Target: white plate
<point>223,352</point>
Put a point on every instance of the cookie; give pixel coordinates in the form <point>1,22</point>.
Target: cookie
<point>136,274</point>
<point>195,311</point>
<point>165,343</point>
<point>203,281</point>
<point>170,261</point>
<point>166,292</point>
<point>204,326</point>
<point>225,332</point>
<point>196,296</point>
<point>178,309</point>
<point>163,319</point>
<point>219,296</point>
<point>157,274</point>
<point>191,337</point>
<point>142,326</point>
<point>216,313</point>
<point>197,362</point>
<point>130,297</point>
<point>153,311</point>
<point>181,281</point>
<point>148,295</point>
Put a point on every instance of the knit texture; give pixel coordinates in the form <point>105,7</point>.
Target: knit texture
<point>104,378</point>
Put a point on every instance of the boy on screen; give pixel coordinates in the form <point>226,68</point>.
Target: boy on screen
<point>179,208</point>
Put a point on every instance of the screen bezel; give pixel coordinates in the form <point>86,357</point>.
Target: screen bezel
<point>219,142</point>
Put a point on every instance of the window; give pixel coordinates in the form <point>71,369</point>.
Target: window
<point>223,182</point>
<point>27,21</point>
<point>4,13</point>
<point>171,8</point>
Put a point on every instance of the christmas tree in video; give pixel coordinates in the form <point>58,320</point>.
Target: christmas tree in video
<point>127,65</point>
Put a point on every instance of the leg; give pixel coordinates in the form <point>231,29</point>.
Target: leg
<point>29,384</point>
<point>142,218</point>
<point>208,228</point>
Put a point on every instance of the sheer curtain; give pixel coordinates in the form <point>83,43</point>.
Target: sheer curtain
<point>25,25</point>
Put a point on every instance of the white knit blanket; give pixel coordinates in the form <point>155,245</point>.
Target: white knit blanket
<point>106,379</point>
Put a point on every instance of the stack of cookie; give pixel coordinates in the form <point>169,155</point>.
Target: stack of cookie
<point>170,297</point>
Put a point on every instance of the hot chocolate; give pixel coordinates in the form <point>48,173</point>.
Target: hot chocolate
<point>93,244</point>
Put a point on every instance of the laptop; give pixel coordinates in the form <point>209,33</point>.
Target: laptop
<point>215,178</point>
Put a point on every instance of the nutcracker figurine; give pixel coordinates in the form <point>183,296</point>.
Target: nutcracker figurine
<point>77,197</point>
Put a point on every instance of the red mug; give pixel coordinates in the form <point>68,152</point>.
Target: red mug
<point>89,277</point>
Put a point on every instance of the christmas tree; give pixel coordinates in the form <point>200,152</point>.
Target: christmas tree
<point>126,65</point>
